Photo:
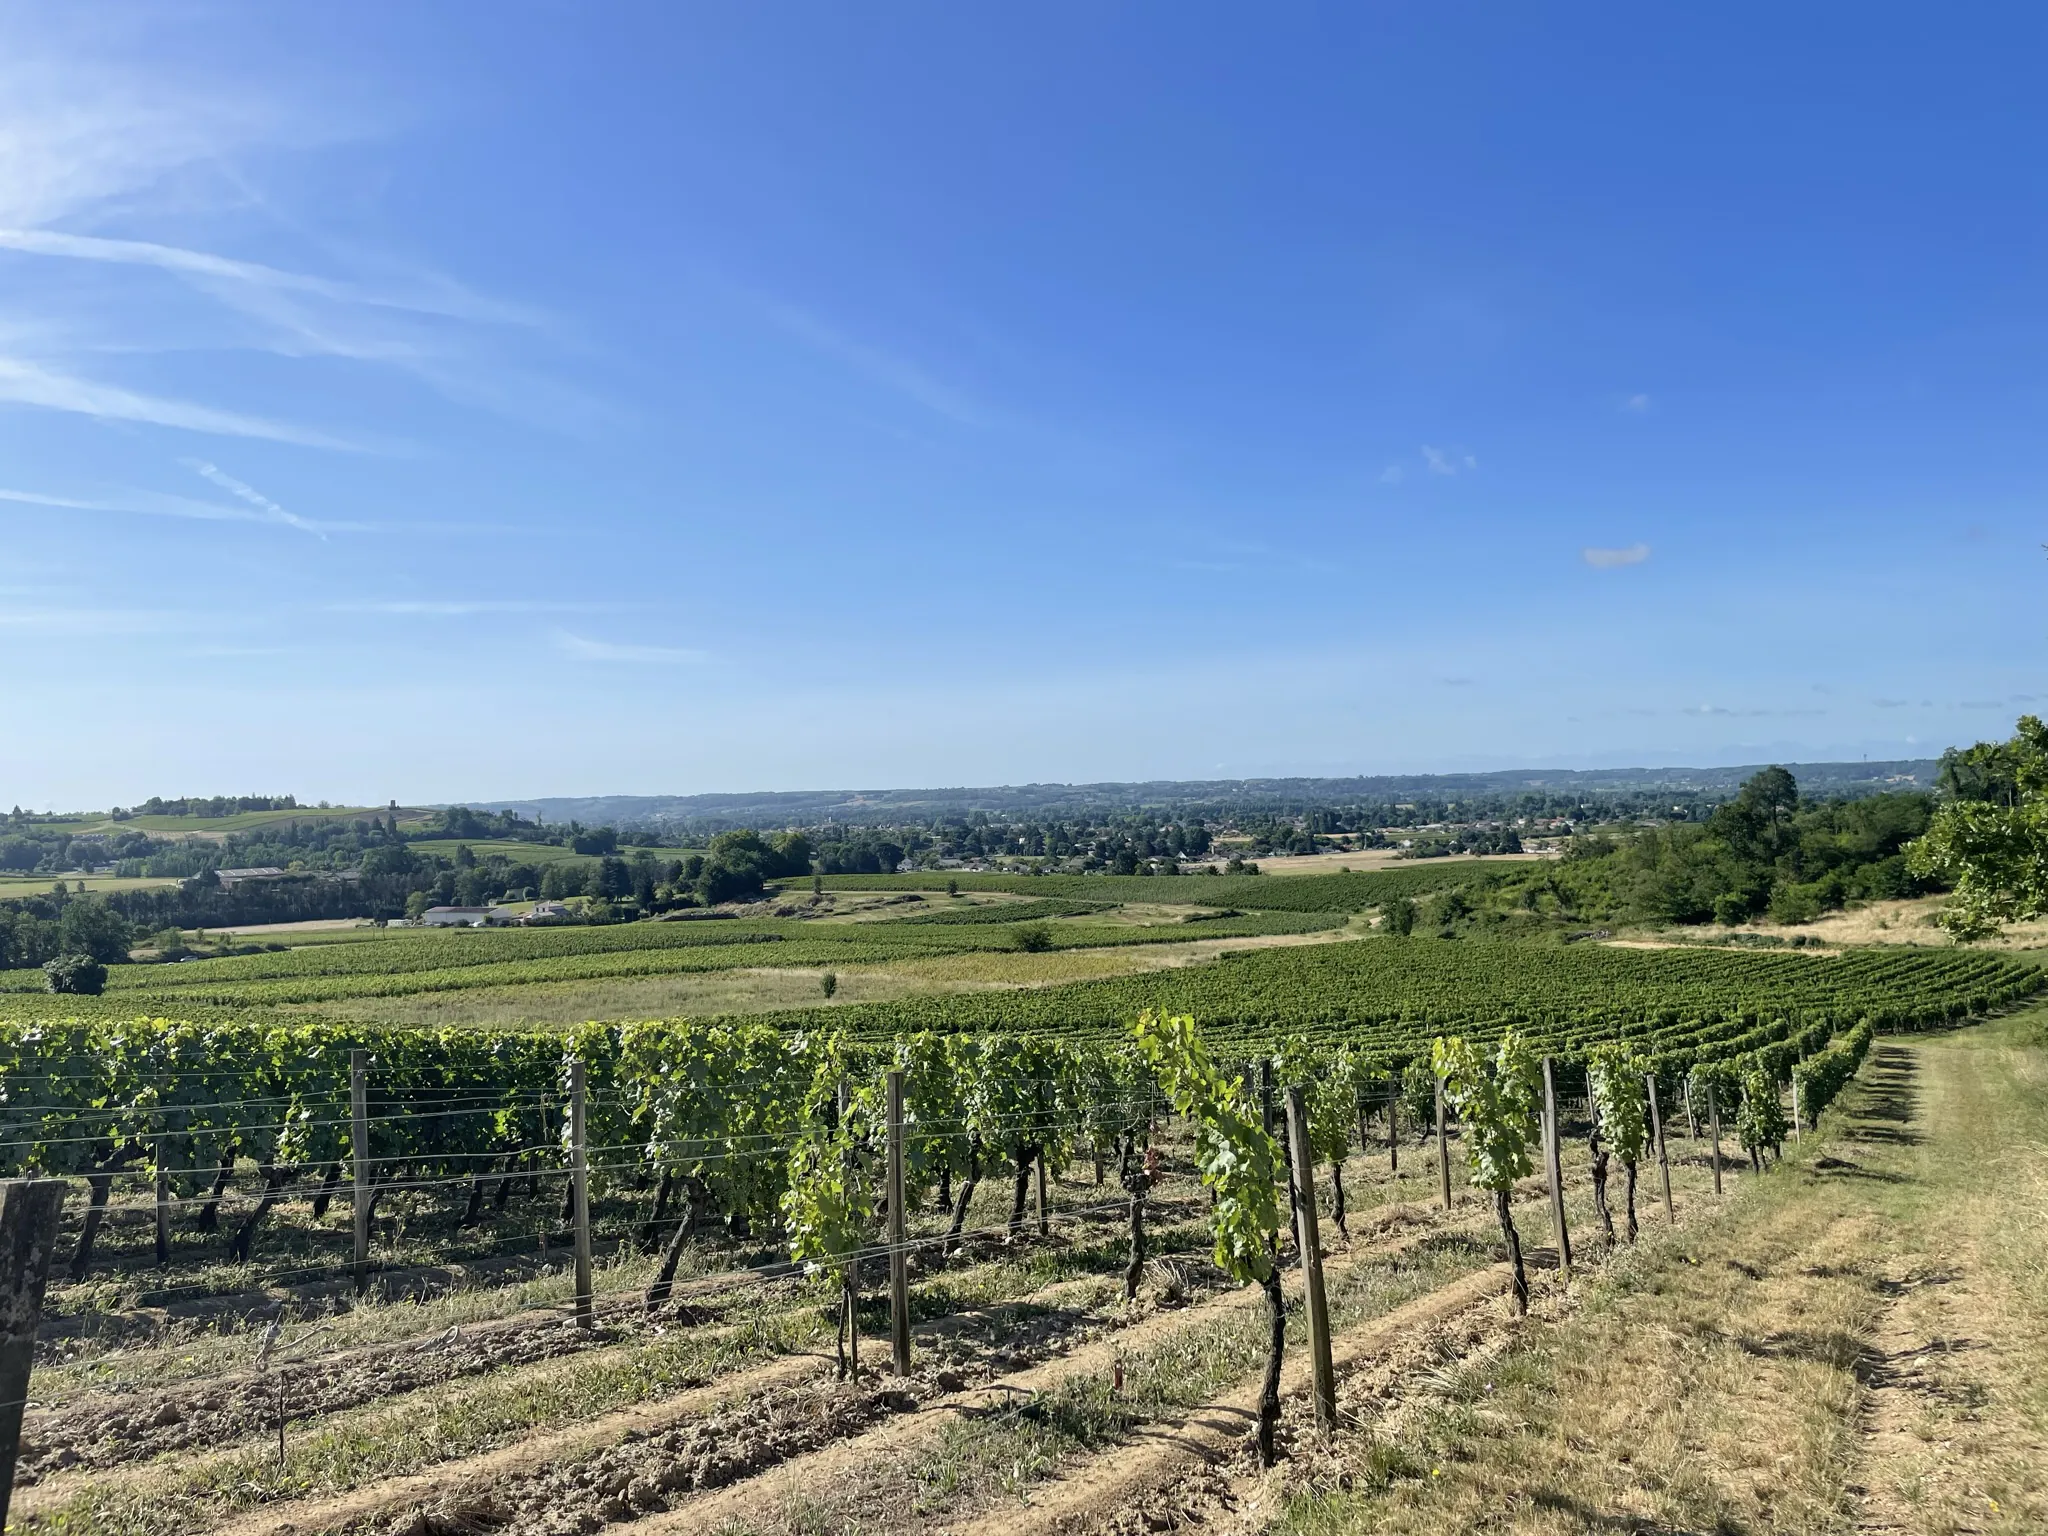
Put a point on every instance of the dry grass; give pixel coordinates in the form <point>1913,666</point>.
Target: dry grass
<point>707,994</point>
<point>1859,1344</point>
<point>1878,922</point>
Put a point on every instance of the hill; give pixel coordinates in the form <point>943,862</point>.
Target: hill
<point>811,807</point>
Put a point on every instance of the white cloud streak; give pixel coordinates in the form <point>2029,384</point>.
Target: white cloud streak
<point>27,383</point>
<point>885,368</point>
<point>92,621</point>
<point>458,608</point>
<point>158,504</point>
<point>448,299</point>
<point>582,648</point>
<point>1615,559</point>
<point>252,496</point>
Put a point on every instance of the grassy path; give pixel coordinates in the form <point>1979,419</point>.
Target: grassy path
<point>1857,1342</point>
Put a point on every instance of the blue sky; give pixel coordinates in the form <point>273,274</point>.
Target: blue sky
<point>482,400</point>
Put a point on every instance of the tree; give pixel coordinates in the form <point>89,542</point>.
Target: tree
<point>1499,1108</point>
<point>614,879</point>
<point>75,975</point>
<point>1239,1164</point>
<point>1989,840</point>
<point>1397,917</point>
<point>1033,938</point>
<point>93,928</point>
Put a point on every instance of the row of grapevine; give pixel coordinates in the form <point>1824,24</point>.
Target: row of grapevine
<point>710,1109</point>
<point>407,965</point>
<point>1385,996</point>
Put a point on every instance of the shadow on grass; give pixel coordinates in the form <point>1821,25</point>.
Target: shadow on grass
<point>1591,1519</point>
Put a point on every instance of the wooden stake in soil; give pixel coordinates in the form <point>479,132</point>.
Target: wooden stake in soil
<point>1554,1169</point>
<point>1307,1239</point>
<point>1795,1099</point>
<point>1663,1157</point>
<point>1714,1125</point>
<point>359,1139</point>
<point>163,1206</point>
<point>579,1182</point>
<point>899,1253</point>
<point>29,1209</point>
<point>1394,1131</point>
<point>1044,1224</point>
<point>1443,1145</point>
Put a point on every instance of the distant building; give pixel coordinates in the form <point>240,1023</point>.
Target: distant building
<point>230,878</point>
<point>547,912</point>
<point>466,917</point>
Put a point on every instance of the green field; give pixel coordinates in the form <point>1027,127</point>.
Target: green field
<point>516,852</point>
<point>1270,893</point>
<point>37,885</point>
<point>241,821</point>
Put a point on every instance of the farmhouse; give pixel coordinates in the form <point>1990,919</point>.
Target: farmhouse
<point>230,878</point>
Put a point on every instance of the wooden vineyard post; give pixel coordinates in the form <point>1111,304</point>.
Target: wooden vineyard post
<point>29,1209</point>
<point>1310,1243</point>
<point>1443,1145</point>
<point>1555,1171</point>
<point>359,1136</point>
<point>899,1252</point>
<point>1663,1157</point>
<point>579,1183</point>
<point>1714,1127</point>
<point>1795,1099</point>
<point>1044,1223</point>
<point>163,1206</point>
<point>1394,1130</point>
<point>1692,1121</point>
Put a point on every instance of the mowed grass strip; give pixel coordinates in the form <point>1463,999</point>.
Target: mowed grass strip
<point>1861,1342</point>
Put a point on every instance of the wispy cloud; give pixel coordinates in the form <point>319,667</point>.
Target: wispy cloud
<point>28,383</point>
<point>428,295</point>
<point>1393,474</point>
<point>1638,405</point>
<point>583,648</point>
<point>456,608</point>
<point>158,504</point>
<point>1614,559</point>
<point>1447,461</point>
<point>882,367</point>
<point>1722,711</point>
<point>96,129</point>
<point>93,621</point>
<point>252,496</point>
<point>1892,703</point>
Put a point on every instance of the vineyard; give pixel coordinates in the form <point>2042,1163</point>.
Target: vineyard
<point>330,1263</point>
<point>405,964</point>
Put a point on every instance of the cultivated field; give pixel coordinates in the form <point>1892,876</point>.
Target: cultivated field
<point>216,1362</point>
